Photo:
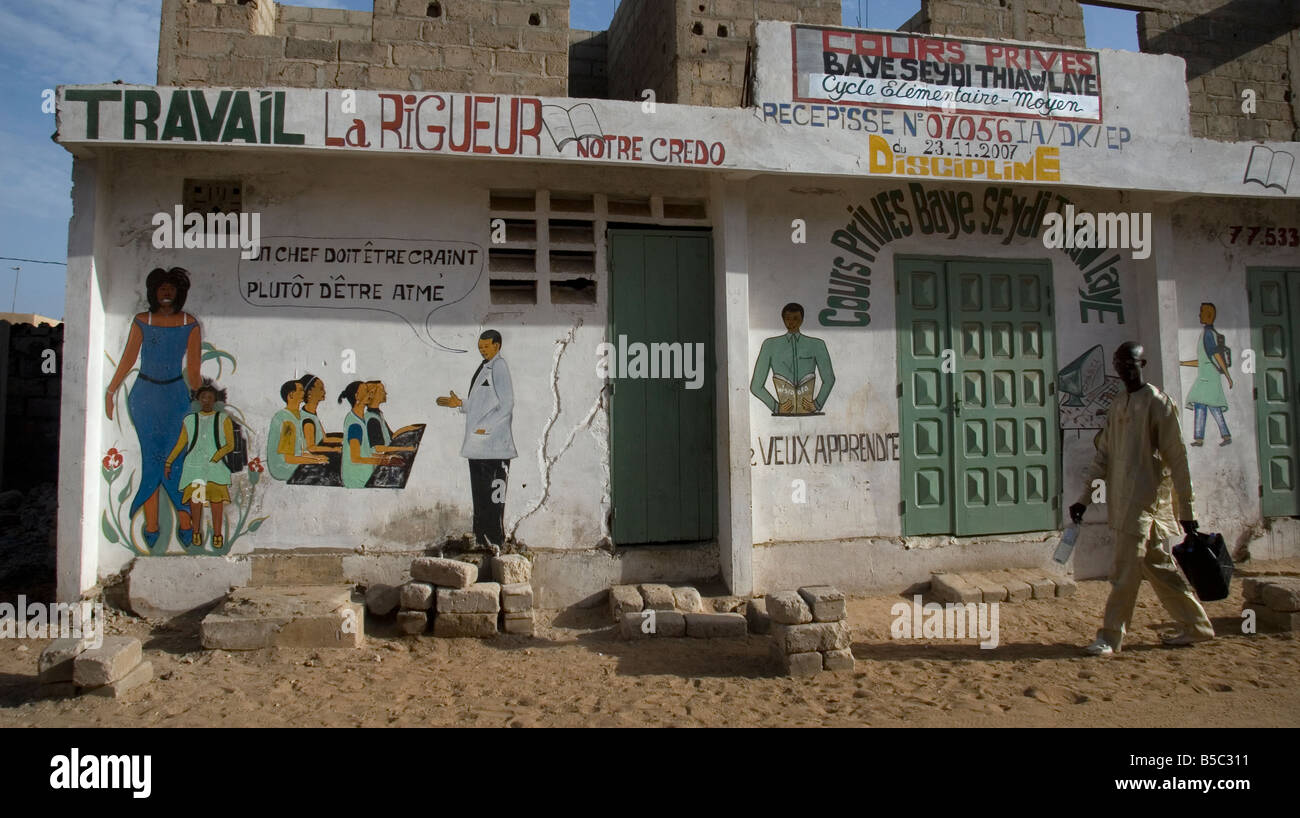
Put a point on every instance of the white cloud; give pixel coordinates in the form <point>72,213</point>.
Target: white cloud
<point>80,42</point>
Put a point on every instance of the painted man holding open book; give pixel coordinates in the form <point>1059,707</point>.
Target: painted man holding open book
<point>794,360</point>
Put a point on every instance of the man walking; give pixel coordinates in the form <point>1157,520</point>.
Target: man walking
<point>489,443</point>
<point>1141,456</point>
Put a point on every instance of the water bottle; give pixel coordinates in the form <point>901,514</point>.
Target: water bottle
<point>1068,539</point>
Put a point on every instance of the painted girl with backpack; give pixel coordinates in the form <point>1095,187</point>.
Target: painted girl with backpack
<point>206,438</point>
<point>1213,361</point>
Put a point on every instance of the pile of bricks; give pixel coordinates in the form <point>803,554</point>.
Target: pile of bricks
<point>643,611</point>
<point>1274,600</point>
<point>447,593</point>
<point>1013,585</point>
<point>71,666</point>
<point>810,630</point>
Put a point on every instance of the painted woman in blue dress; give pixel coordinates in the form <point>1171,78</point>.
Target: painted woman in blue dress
<point>167,341</point>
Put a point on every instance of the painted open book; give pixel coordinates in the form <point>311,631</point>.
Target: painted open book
<point>792,399</point>
<point>1269,168</point>
<point>567,125</point>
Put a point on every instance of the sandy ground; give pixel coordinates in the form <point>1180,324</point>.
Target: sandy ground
<point>578,673</point>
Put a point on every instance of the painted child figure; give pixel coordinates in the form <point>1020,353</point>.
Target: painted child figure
<point>286,446</point>
<point>203,472</point>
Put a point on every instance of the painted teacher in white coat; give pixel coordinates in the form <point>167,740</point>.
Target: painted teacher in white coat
<point>489,443</point>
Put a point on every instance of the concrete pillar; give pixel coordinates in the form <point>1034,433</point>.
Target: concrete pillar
<point>1159,309</point>
<point>82,405</point>
<point>731,322</point>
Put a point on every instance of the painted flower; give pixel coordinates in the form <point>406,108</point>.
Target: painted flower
<point>256,465</point>
<point>112,460</point>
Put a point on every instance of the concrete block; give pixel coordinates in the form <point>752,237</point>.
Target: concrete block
<point>1267,619</point>
<point>658,597</point>
<point>632,625</point>
<point>662,623</point>
<point>1252,588</point>
<point>819,636</point>
<point>838,659</point>
<point>96,667</point>
<point>954,588</point>
<point>1283,595</point>
<point>991,588</point>
<point>715,625</point>
<point>443,572</point>
<point>1065,586</point>
<point>1040,585</point>
<point>826,603</point>
<point>788,608</point>
<point>417,596</point>
<point>800,664</point>
<point>1017,589</point>
<point>412,622</point>
<point>479,598</point>
<point>308,616</point>
<point>165,588</point>
<point>297,569</point>
<point>374,569</point>
<point>382,599</point>
<point>519,623</point>
<point>56,661</point>
<point>138,676</point>
<point>624,599</point>
<point>512,569</point>
<point>687,600</point>
<point>465,625</point>
<point>517,598</point>
<point>756,615</point>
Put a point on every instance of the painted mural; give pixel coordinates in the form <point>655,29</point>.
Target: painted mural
<point>794,361</point>
<point>412,280</point>
<point>1213,363</point>
<point>1269,168</point>
<point>167,344</point>
<point>1086,390</point>
<point>489,445</point>
<point>366,454</point>
<point>210,451</point>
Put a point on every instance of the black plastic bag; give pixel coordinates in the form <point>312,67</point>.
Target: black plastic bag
<point>1206,563</point>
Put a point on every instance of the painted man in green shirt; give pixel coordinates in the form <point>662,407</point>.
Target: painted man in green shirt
<point>793,360</point>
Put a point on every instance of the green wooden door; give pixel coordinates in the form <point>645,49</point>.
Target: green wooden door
<point>662,465</point>
<point>979,428</point>
<point>1274,299</point>
<point>925,395</point>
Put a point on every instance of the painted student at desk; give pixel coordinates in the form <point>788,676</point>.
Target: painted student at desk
<point>794,360</point>
<point>489,443</point>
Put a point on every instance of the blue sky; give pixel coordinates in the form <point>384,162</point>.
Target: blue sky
<point>54,42</point>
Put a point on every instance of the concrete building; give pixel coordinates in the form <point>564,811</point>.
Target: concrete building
<point>422,174</point>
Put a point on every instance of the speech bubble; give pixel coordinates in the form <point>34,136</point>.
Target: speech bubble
<point>412,279</point>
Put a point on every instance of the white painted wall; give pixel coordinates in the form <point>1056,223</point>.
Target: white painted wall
<point>853,499</point>
<point>558,490</point>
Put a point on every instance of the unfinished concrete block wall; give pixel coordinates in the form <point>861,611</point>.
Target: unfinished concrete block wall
<point>642,50</point>
<point>1044,21</point>
<point>714,38</point>
<point>695,52</point>
<point>1230,47</point>
<point>497,46</point>
<point>588,64</point>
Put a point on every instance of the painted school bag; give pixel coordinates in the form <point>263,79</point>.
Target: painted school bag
<point>1223,348</point>
<point>237,459</point>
